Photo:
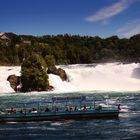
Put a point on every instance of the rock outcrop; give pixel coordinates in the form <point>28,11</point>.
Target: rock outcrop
<point>14,81</point>
<point>60,72</point>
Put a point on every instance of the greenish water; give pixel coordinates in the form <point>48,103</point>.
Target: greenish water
<point>126,127</point>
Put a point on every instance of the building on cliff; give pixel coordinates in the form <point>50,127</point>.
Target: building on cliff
<point>4,36</point>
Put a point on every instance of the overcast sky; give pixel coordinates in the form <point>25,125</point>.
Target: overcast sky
<point>102,18</point>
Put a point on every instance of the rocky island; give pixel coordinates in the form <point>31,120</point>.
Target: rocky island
<point>34,75</point>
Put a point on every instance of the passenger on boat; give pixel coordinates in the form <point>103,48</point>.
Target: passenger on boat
<point>24,111</point>
<point>119,107</point>
<point>21,111</point>
<point>75,109</point>
<point>12,110</point>
<point>47,109</point>
<point>71,109</point>
<point>85,108</point>
<point>34,110</point>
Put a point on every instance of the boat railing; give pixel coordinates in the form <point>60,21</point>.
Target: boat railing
<point>57,104</point>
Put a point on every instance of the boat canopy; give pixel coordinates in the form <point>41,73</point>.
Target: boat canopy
<point>63,99</point>
<point>35,102</point>
<point>69,99</point>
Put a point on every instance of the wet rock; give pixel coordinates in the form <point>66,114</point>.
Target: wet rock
<point>60,72</point>
<point>14,81</point>
<point>50,88</point>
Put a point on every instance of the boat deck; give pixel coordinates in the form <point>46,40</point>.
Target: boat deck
<point>60,115</point>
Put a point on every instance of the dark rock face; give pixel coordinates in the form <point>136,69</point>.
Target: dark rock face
<point>52,69</point>
<point>14,81</point>
<point>50,88</point>
<point>60,72</point>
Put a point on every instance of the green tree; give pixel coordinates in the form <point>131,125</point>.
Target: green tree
<point>33,74</point>
<point>50,60</point>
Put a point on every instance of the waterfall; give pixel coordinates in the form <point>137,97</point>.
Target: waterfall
<point>87,77</point>
<point>106,77</point>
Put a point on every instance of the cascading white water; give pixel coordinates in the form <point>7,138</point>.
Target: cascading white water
<point>5,71</point>
<point>105,77</point>
<point>108,77</point>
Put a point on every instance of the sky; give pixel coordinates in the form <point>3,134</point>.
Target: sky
<point>102,18</point>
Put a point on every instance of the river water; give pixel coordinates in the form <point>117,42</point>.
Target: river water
<point>127,127</point>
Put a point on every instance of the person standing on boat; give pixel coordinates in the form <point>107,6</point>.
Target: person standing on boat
<point>47,109</point>
<point>85,108</point>
<point>75,109</point>
<point>119,107</point>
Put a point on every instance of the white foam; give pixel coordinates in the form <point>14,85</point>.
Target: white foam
<point>5,71</point>
<point>104,77</point>
<point>86,78</point>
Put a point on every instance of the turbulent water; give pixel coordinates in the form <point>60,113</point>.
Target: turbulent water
<point>118,83</point>
<point>127,127</point>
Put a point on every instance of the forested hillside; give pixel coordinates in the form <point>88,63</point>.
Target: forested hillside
<point>69,49</point>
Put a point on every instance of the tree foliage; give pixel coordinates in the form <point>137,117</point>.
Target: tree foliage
<point>50,60</point>
<point>33,74</point>
<point>70,49</point>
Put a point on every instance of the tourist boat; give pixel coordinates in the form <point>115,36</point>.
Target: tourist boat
<point>60,108</point>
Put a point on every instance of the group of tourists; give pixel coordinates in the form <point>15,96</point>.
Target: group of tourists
<point>34,110</point>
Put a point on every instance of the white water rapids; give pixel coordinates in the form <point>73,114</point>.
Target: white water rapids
<point>102,77</point>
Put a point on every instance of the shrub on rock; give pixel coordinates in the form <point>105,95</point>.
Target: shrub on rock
<point>33,74</point>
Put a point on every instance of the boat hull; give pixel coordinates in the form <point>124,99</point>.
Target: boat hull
<point>64,115</point>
